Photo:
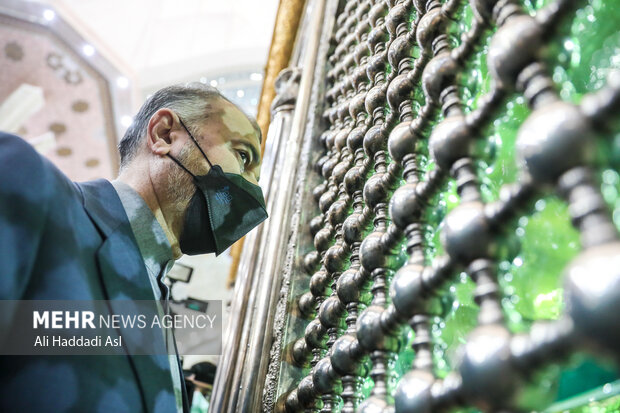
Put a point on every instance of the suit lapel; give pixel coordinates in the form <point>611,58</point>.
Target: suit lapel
<point>122,267</point>
<point>124,277</point>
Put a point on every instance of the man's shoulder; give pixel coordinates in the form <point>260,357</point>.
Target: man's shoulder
<point>26,171</point>
<point>15,150</point>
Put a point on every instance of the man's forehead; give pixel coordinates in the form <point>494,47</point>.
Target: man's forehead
<point>232,121</point>
<point>236,121</point>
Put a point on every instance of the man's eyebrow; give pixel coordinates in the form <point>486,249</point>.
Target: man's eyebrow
<point>252,148</point>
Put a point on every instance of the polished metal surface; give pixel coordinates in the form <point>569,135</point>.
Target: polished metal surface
<point>357,272</point>
<point>241,374</point>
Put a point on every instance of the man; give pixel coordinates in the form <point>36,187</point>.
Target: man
<point>200,380</point>
<point>189,167</point>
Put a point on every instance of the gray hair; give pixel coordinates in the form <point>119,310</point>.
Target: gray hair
<point>190,101</point>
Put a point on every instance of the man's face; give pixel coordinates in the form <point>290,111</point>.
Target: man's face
<point>225,135</point>
<point>229,140</point>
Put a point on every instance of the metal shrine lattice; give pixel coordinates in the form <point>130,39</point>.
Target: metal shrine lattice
<point>407,134</point>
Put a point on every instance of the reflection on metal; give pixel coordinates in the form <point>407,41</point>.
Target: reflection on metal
<point>426,180</point>
<point>280,55</point>
<point>248,333</point>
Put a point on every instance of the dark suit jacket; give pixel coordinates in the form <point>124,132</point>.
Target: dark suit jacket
<point>66,241</point>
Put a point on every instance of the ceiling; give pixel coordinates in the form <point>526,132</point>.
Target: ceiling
<point>120,51</point>
<point>158,42</point>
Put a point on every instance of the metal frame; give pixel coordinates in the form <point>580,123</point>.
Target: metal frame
<point>242,371</point>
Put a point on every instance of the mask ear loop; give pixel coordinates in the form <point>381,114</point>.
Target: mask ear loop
<point>196,143</point>
<point>181,165</point>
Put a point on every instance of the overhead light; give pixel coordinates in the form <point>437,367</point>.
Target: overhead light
<point>240,93</point>
<point>256,77</point>
<point>213,83</point>
<point>49,15</point>
<point>19,106</point>
<point>88,50</point>
<point>126,121</point>
<point>122,82</point>
<point>44,143</point>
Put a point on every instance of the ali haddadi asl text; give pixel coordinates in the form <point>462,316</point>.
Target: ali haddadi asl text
<point>77,341</point>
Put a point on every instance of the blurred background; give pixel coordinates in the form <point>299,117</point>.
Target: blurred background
<point>73,72</point>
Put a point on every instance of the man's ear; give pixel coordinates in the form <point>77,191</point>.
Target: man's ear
<point>160,132</point>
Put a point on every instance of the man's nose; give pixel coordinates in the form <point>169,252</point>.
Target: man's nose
<point>250,177</point>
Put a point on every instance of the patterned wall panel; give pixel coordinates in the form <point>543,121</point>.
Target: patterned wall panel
<point>77,108</point>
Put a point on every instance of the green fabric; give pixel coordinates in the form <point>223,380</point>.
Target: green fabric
<point>199,403</point>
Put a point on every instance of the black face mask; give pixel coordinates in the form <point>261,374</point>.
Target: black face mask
<point>223,209</point>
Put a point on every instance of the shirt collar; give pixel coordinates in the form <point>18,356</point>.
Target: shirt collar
<point>152,240</point>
